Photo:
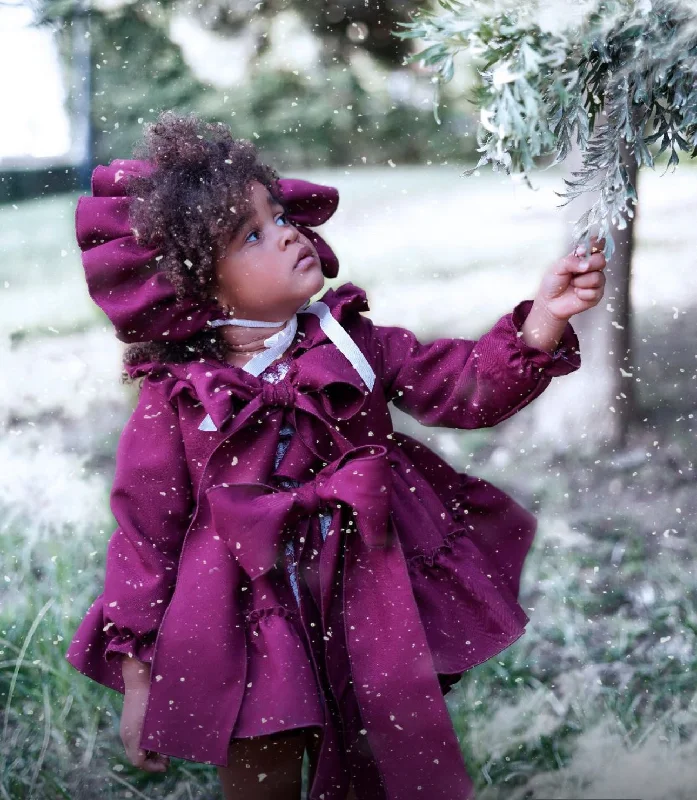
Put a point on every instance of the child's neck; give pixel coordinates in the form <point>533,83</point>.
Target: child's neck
<point>245,343</point>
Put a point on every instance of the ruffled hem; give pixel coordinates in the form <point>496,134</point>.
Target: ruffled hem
<point>259,614</point>
<point>500,527</point>
<point>281,690</point>
<point>565,359</point>
<point>469,613</point>
<point>433,558</point>
<point>87,651</point>
<point>125,642</point>
<point>150,368</point>
<point>464,557</point>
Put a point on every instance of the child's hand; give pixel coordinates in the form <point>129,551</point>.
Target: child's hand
<point>568,288</point>
<point>134,703</point>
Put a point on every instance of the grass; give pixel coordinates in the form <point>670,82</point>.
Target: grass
<point>598,699</point>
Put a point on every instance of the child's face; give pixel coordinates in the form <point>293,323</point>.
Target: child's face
<point>256,275</point>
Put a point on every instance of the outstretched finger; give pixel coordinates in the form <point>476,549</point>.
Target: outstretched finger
<point>595,246</point>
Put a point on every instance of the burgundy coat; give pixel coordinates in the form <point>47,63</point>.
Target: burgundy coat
<point>417,583</point>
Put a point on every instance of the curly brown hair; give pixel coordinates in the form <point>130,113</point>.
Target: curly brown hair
<point>190,206</point>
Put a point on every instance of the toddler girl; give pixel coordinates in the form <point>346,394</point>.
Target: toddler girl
<point>289,573</point>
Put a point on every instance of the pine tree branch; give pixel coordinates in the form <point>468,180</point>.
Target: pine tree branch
<point>537,90</point>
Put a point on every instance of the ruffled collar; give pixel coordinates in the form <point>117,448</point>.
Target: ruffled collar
<point>216,385</point>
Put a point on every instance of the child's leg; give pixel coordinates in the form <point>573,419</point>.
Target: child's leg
<point>313,741</point>
<point>278,757</point>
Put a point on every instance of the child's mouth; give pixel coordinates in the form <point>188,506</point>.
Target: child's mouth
<point>305,262</point>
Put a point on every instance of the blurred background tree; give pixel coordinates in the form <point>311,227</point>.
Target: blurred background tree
<point>313,83</point>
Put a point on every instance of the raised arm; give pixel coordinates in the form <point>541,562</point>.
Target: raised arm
<point>152,502</point>
<point>464,383</point>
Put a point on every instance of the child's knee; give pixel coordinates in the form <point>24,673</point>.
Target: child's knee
<point>264,767</point>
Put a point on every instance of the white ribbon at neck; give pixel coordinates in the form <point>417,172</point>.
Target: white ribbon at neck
<point>277,344</point>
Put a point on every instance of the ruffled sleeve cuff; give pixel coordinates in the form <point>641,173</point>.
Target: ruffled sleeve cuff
<point>565,359</point>
<point>125,642</point>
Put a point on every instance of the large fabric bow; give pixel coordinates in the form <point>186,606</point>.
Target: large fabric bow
<point>257,513</point>
<point>402,711</point>
<point>122,275</point>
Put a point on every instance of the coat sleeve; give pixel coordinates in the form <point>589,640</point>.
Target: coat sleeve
<point>152,502</point>
<point>463,383</point>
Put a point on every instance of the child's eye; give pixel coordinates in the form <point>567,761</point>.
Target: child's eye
<point>256,230</point>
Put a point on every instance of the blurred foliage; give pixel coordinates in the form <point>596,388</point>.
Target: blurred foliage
<point>343,23</point>
<point>298,119</point>
<point>298,122</point>
<point>135,68</point>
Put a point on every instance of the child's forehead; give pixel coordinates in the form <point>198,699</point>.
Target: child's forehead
<point>260,195</point>
<point>258,199</point>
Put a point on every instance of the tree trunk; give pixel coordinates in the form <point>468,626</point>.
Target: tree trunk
<point>591,409</point>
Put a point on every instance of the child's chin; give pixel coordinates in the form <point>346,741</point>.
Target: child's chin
<point>315,277</point>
